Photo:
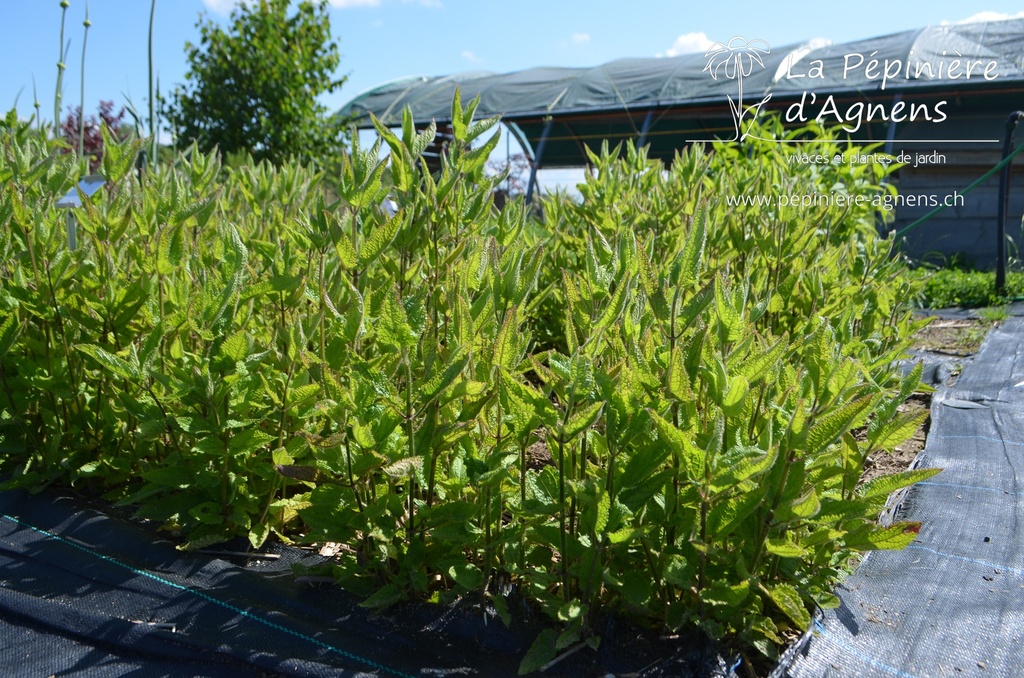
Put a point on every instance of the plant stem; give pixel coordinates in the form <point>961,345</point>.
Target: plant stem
<point>81,108</point>
<point>152,96</point>
<point>58,96</point>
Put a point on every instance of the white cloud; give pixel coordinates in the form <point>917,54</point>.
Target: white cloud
<point>580,38</point>
<point>689,43</point>
<point>223,6</point>
<point>986,16</point>
<point>343,4</point>
<point>470,56</point>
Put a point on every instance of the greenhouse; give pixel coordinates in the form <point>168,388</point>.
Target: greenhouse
<point>939,96</point>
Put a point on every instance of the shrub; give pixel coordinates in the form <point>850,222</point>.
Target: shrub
<point>246,358</point>
<point>953,287</point>
<point>93,136</point>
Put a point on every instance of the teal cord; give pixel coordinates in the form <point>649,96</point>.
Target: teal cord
<point>967,190</point>
<point>210,599</point>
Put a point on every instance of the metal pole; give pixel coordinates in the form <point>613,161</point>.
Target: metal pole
<point>1004,200</point>
<point>72,229</point>
<point>536,160</point>
<point>645,128</point>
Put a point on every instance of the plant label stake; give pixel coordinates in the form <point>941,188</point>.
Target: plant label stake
<point>87,187</point>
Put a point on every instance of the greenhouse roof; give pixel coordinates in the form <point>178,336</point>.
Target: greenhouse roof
<point>624,98</point>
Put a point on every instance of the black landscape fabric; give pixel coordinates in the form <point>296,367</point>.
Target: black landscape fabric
<point>86,594</point>
<point>952,603</point>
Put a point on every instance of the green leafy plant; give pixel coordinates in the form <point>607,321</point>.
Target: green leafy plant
<point>955,287</point>
<point>652,405</point>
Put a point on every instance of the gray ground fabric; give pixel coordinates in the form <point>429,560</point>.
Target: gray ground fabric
<point>952,603</point>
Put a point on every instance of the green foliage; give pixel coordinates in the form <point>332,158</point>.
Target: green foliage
<point>252,358</point>
<point>254,87</point>
<point>955,287</point>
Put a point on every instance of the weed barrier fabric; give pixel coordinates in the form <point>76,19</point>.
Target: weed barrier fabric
<point>951,603</point>
<point>86,594</point>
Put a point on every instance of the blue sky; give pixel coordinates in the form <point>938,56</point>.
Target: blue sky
<point>385,39</point>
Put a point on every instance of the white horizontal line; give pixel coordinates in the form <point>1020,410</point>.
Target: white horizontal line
<point>895,143</point>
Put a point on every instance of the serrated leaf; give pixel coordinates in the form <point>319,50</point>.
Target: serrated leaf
<point>732,401</point>
<point>540,653</point>
<point>678,379</point>
<point>581,420</point>
<point>466,575</point>
<point>393,328</point>
<point>752,464</point>
<point>693,249</point>
<point>249,440</point>
<point>886,485</point>
<point>236,347</point>
<point>624,535</point>
<point>788,600</point>
<point>613,311</point>
<point>828,428</point>
<point>506,344</point>
<point>570,611</point>
<point>803,507</point>
<point>443,379</point>
<point>258,534</point>
<point>757,365</point>
<point>280,457</point>
<point>404,468</point>
<point>603,512</point>
<point>784,548</point>
<point>691,457</point>
<point>892,538</point>
<point>9,331</point>
<point>170,249</point>
<point>722,593</point>
<point>384,597</point>
<point>730,321</point>
<point>679,572</point>
<point>636,587</point>
<point>912,381</point>
<point>115,364</point>
<point>898,431</point>
<point>301,394</point>
<point>346,252</point>
<point>381,237</point>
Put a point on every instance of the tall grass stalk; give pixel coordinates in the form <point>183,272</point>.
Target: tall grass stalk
<point>152,100</point>
<point>81,109</point>
<point>35,103</point>
<point>58,96</point>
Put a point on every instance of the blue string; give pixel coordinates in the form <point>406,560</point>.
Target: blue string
<point>989,438</point>
<point>972,487</point>
<point>210,599</point>
<point>995,566</point>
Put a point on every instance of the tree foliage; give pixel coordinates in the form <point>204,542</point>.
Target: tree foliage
<point>254,87</point>
<point>93,138</point>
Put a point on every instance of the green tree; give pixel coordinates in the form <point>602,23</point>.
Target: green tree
<point>254,87</point>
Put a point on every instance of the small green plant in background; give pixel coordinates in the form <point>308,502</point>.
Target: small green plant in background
<point>993,314</point>
<point>650,405</point>
<point>957,288</point>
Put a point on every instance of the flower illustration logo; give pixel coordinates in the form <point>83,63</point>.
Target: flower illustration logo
<point>736,61</point>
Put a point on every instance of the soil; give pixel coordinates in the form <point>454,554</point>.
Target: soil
<point>885,463</point>
<point>961,337</point>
